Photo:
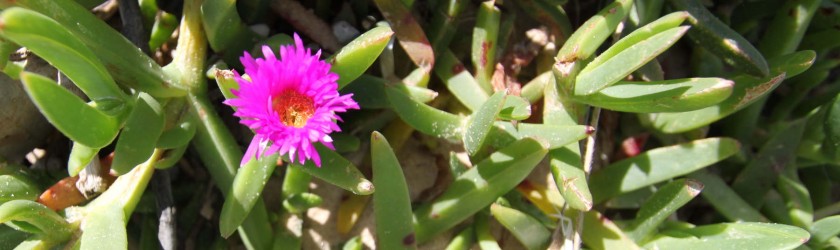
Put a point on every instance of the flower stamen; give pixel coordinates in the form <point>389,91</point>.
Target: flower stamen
<point>293,108</point>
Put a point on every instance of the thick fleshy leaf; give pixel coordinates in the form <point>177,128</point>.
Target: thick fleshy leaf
<point>35,218</point>
<point>530,232</point>
<point>515,108</point>
<point>80,157</point>
<point>391,204</point>
<point>69,114</point>
<point>735,236</point>
<point>788,25</point>
<point>598,76</point>
<point>225,30</point>
<point>659,164</point>
<point>245,191</point>
<point>104,228</point>
<point>586,40</point>
<point>831,128</point>
<point>408,31</point>
<point>478,187</point>
<point>165,24</point>
<point>717,37</point>
<point>440,31</point>
<point>484,42</point>
<point>504,133</point>
<point>662,204</point>
<point>128,65</point>
<point>300,202</point>
<point>357,56</point>
<point>226,81</point>
<point>463,240</point>
<point>459,81</point>
<point>424,118</point>
<point>638,36</point>
<point>747,90</point>
<point>797,199</point>
<point>177,136</point>
<point>761,173</point>
<point>481,122</point>
<point>600,232</point>
<point>10,238</point>
<point>483,235</point>
<point>676,95</point>
<point>17,187</point>
<point>551,14</point>
<point>567,170</point>
<point>66,52</point>
<point>221,155</point>
<point>338,171</point>
<point>721,196</point>
<point>140,134</point>
<point>824,230</point>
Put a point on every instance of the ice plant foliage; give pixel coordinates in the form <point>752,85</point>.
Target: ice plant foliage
<point>289,102</point>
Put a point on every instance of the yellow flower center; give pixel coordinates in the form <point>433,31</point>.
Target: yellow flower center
<point>293,108</point>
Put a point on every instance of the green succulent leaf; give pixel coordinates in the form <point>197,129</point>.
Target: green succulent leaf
<point>75,119</point>
<point>165,24</point>
<point>762,172</point>
<point>140,134</point>
<point>300,202</point>
<point>717,37</point>
<point>391,204</point>
<point>80,157</point>
<point>245,191</point>
<point>481,122</point>
<point>789,24</point>
<point>662,204</point>
<point>530,232</point>
<point>567,170</point>
<point>483,235</point>
<point>17,187</point>
<point>478,187</point>
<point>463,240</point>
<point>459,81</point>
<point>747,235</point>
<point>747,90</point>
<point>357,56</point>
<point>639,35</point>
<point>35,218</point>
<point>104,228</point>
<point>10,238</point>
<point>226,81</point>
<point>128,65</point>
<point>725,200</point>
<point>515,108</point>
<point>659,164</point>
<point>409,33</point>
<point>600,232</point>
<point>505,133</point>
<point>225,29</point>
<point>484,42</point>
<point>177,136</point>
<point>676,95</point>
<point>295,182</point>
<point>338,171</point>
<point>55,44</point>
<point>422,117</point>
<point>597,75</point>
<point>824,230</point>
<point>585,41</point>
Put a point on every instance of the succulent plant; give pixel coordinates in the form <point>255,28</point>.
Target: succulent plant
<point>546,128</point>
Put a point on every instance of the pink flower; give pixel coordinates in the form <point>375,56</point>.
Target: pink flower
<point>290,103</point>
